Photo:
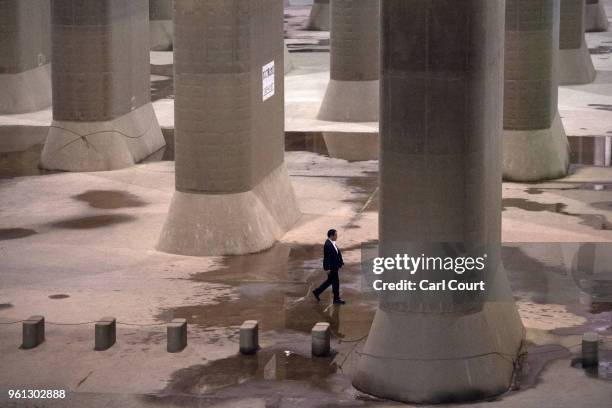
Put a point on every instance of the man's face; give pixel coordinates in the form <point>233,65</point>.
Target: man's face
<point>335,236</point>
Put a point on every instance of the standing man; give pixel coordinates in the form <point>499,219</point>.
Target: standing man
<point>332,262</point>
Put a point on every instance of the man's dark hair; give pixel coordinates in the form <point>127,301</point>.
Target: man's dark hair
<point>330,233</point>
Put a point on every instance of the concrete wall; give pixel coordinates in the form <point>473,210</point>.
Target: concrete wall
<point>575,63</point>
<point>100,49</point>
<point>24,35</point>
<point>227,138</point>
<point>25,55</point>
<point>160,10</point>
<point>535,145</point>
<point>355,40</point>
<point>530,94</point>
<point>572,24</point>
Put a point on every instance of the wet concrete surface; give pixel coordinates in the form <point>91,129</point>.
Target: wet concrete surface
<point>110,199</point>
<point>92,222</point>
<point>595,221</point>
<point>15,233</point>
<point>59,296</point>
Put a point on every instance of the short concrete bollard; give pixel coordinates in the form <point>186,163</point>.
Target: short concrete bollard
<point>105,333</point>
<point>590,349</point>
<point>33,332</point>
<point>249,337</point>
<point>321,335</point>
<point>177,335</point>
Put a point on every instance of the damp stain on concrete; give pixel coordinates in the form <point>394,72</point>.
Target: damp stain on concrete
<point>59,296</point>
<point>110,199</point>
<point>603,370</point>
<point>239,370</point>
<point>533,363</point>
<point>91,222</point>
<point>365,189</point>
<point>274,287</point>
<point>5,306</point>
<point>15,233</point>
<point>595,221</point>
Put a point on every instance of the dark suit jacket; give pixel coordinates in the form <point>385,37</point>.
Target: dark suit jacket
<point>332,260</point>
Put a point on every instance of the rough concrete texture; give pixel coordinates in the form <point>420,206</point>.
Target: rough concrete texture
<point>533,155</point>
<point>102,113</point>
<point>25,56</point>
<point>352,94</point>
<point>352,146</point>
<point>353,91</point>
<point>441,124</point>
<point>98,146</point>
<point>575,64</point>
<point>161,29</point>
<point>202,224</point>
<point>320,15</point>
<point>88,247</point>
<point>535,145</point>
<point>595,18</point>
<point>229,136</point>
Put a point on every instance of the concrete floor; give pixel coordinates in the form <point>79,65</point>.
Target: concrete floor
<point>76,247</point>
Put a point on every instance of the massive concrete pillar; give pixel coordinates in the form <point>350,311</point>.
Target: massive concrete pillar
<point>319,16</point>
<point>534,143</point>
<point>25,56</point>
<point>575,64</point>
<point>233,194</point>
<point>102,113</point>
<point>595,18</point>
<point>440,181</point>
<point>353,90</point>
<point>160,25</point>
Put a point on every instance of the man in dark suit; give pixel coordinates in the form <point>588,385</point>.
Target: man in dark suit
<point>332,262</point>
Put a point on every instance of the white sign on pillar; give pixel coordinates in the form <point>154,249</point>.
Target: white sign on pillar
<point>267,76</point>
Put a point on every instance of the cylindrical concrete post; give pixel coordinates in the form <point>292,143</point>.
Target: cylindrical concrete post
<point>102,113</point>
<point>233,194</point>
<point>176,333</point>
<point>33,332</point>
<point>25,56</point>
<point>590,349</point>
<point>319,16</point>
<point>105,333</point>
<point>440,194</point>
<point>534,143</point>
<point>595,18</point>
<point>161,30</point>
<point>575,63</point>
<point>353,91</point>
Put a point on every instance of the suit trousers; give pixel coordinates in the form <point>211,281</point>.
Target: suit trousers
<point>333,280</point>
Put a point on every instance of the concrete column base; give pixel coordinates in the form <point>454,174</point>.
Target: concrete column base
<point>100,146</point>
<point>595,18</point>
<point>440,358</point>
<point>352,146</point>
<point>319,19</point>
<point>350,101</point>
<point>231,224</point>
<point>576,66</point>
<point>534,155</point>
<point>161,35</point>
<point>28,91</point>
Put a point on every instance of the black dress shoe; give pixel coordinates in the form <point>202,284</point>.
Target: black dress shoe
<point>314,292</point>
<point>339,302</point>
